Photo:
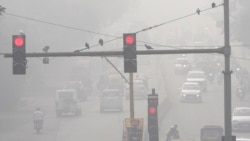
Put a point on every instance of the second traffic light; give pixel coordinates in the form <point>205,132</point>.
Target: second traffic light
<point>19,54</point>
<point>153,117</point>
<point>129,52</point>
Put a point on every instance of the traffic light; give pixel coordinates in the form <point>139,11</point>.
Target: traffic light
<point>19,54</point>
<point>129,52</point>
<point>134,134</point>
<point>153,118</point>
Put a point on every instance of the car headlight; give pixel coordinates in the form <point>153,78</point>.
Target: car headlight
<point>184,66</point>
<point>184,95</point>
<point>198,95</point>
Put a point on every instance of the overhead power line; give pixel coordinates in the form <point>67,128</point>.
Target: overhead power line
<point>198,11</point>
<point>189,46</point>
<point>93,32</point>
<point>59,25</point>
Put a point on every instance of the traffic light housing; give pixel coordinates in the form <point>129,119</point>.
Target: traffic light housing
<point>19,54</point>
<point>129,52</point>
<point>153,118</point>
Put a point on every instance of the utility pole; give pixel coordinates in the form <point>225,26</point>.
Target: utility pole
<point>227,76</point>
<point>131,95</point>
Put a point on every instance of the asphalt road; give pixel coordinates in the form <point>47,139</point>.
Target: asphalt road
<point>92,125</point>
<point>96,126</point>
<point>190,117</point>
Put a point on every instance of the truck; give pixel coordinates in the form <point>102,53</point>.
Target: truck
<point>67,102</point>
<point>211,133</point>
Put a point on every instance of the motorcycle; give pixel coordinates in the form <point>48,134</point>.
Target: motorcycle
<point>38,125</point>
<point>172,134</point>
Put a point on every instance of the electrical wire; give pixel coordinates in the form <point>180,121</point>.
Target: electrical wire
<point>195,13</point>
<point>59,25</point>
<point>69,27</point>
<point>116,37</point>
<point>96,45</point>
<point>88,31</point>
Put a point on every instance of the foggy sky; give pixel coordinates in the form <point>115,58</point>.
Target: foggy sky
<point>113,17</point>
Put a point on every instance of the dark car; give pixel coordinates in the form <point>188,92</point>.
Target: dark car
<point>111,99</point>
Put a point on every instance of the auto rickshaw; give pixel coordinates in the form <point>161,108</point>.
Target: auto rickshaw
<point>211,133</point>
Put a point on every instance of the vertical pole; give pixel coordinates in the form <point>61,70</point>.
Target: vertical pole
<point>227,76</point>
<point>131,89</point>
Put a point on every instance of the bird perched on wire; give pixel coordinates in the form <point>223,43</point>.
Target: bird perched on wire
<point>2,9</point>
<point>100,42</point>
<point>213,5</point>
<point>87,45</point>
<point>198,11</point>
<point>46,49</point>
<point>148,47</point>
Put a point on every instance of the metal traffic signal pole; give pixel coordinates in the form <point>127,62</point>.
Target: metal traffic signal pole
<point>227,76</point>
<point>131,95</point>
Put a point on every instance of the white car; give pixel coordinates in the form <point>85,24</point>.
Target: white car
<point>191,91</point>
<point>242,139</point>
<point>199,77</point>
<point>241,119</point>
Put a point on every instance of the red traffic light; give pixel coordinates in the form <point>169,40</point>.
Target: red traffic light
<point>152,110</point>
<point>19,41</point>
<point>129,39</point>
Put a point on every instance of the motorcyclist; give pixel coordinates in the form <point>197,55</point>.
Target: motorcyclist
<point>38,117</point>
<point>173,133</point>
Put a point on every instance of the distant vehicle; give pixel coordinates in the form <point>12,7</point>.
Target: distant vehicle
<point>241,119</point>
<point>211,133</point>
<point>191,92</point>
<point>182,65</point>
<point>242,139</point>
<point>80,88</point>
<point>198,76</point>
<point>140,89</point>
<point>140,84</point>
<point>111,80</point>
<point>111,99</point>
<point>67,102</point>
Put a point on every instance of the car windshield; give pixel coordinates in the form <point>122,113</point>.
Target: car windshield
<point>66,94</point>
<point>179,61</point>
<point>196,75</point>
<point>242,112</point>
<point>212,132</point>
<point>110,94</point>
<point>191,87</point>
